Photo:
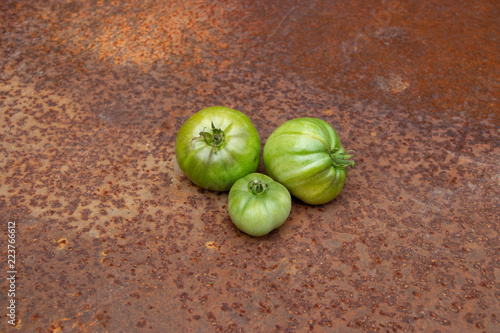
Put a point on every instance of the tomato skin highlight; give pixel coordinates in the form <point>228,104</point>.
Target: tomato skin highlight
<point>306,156</point>
<point>257,204</point>
<point>217,146</point>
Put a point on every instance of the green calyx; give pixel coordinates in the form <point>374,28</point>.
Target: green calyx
<point>215,138</point>
<point>257,187</point>
<point>342,160</point>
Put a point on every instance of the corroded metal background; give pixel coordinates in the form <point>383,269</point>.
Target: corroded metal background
<point>113,237</point>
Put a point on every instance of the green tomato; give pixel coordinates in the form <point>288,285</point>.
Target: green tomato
<point>257,204</point>
<point>217,146</point>
<point>306,156</point>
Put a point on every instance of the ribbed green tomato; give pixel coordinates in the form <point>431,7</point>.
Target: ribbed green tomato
<point>306,156</point>
<point>257,204</point>
<point>217,146</point>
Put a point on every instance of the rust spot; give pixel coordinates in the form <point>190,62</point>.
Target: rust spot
<point>61,243</point>
<point>142,323</point>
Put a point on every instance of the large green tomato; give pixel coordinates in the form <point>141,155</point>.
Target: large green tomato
<point>257,204</point>
<point>306,156</point>
<point>217,146</point>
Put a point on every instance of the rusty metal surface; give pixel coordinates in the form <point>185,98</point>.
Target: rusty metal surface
<point>111,236</point>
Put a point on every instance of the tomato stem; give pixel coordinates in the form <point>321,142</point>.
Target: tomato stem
<point>342,160</point>
<point>257,187</point>
<point>215,138</point>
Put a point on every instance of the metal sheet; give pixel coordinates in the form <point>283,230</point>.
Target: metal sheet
<point>111,236</point>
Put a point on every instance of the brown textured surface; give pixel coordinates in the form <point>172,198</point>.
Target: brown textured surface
<point>113,237</point>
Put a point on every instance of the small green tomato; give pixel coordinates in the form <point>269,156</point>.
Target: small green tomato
<point>257,204</point>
